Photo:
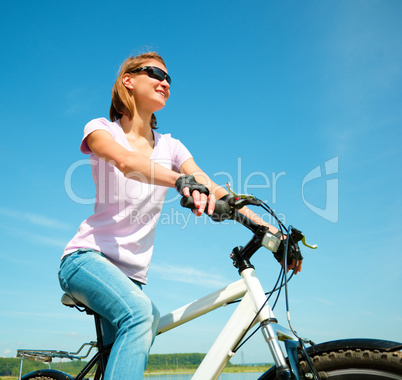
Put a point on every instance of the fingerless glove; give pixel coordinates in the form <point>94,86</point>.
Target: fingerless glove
<point>190,182</point>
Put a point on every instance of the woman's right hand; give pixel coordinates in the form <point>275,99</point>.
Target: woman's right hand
<point>294,260</point>
<point>187,186</point>
<point>296,265</point>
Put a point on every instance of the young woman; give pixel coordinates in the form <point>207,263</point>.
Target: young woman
<point>105,265</point>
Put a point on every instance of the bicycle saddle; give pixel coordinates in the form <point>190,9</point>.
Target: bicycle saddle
<point>70,302</point>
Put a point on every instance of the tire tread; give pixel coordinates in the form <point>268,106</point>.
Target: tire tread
<point>356,358</point>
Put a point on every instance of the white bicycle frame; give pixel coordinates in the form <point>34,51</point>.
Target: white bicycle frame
<point>249,287</point>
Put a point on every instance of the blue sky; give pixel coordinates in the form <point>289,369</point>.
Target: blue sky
<point>296,102</point>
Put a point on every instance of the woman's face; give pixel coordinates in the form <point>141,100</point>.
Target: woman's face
<point>150,94</point>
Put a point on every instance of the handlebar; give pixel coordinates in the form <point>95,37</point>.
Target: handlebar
<point>285,249</point>
<point>227,208</point>
<point>222,209</point>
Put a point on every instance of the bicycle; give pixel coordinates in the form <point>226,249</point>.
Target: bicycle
<point>348,359</point>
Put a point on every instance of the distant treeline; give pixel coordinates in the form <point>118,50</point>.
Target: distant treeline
<point>172,361</point>
<point>11,366</point>
<point>156,362</point>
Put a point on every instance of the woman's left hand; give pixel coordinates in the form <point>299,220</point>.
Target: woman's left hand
<point>201,201</point>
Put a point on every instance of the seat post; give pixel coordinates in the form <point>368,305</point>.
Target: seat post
<point>103,351</point>
<point>98,328</point>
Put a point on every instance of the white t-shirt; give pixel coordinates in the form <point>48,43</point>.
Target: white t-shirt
<point>126,210</point>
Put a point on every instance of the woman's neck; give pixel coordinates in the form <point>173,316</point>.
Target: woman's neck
<point>138,126</point>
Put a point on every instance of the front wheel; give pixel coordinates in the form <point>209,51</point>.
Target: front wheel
<point>353,364</point>
<point>357,365</point>
<point>47,374</point>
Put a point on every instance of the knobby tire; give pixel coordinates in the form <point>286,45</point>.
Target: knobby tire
<point>44,378</point>
<point>352,365</point>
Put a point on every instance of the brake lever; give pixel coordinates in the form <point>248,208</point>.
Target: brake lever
<point>241,200</point>
<point>299,236</point>
<point>308,245</point>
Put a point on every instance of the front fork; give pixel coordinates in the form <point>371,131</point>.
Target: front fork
<point>267,320</point>
<point>293,349</point>
<point>283,371</point>
<point>286,370</point>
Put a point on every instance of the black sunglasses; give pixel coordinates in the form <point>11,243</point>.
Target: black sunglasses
<point>154,72</point>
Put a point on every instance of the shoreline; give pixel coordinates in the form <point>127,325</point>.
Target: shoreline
<point>184,371</point>
<point>239,369</point>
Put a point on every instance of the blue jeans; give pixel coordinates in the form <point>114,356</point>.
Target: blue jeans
<point>128,316</point>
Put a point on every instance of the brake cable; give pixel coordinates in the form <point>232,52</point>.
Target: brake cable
<point>237,347</point>
<point>283,272</point>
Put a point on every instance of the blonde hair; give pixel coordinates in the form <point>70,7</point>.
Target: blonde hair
<point>122,102</point>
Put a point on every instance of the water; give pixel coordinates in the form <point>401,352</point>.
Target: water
<point>224,376</point>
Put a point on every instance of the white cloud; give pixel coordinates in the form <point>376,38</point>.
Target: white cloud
<point>188,275</point>
<point>30,315</point>
<point>324,301</point>
<point>36,238</point>
<point>37,219</point>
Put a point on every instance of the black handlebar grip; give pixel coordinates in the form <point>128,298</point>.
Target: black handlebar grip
<point>222,210</point>
<point>187,202</point>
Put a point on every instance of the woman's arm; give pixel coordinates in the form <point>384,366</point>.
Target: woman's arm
<point>217,192</point>
<point>133,165</point>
